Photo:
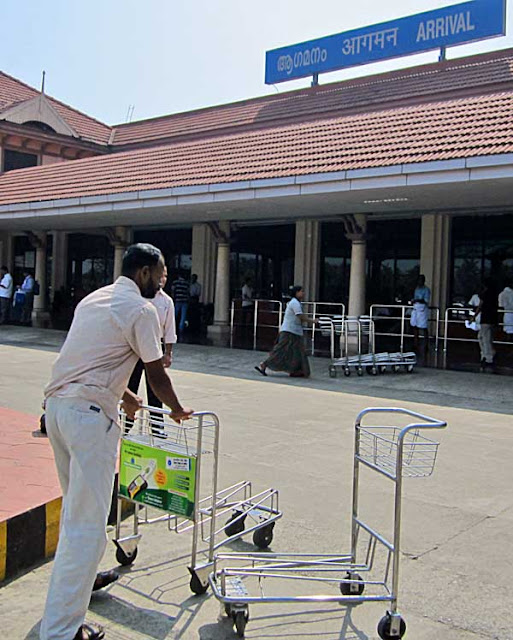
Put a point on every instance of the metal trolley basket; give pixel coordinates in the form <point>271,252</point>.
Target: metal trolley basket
<point>162,467</point>
<point>370,571</point>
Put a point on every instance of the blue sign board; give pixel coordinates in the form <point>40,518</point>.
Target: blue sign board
<point>446,27</point>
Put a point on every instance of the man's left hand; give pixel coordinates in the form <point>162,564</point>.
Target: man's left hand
<point>167,359</point>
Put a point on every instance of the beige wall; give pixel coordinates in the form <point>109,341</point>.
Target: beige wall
<point>45,160</point>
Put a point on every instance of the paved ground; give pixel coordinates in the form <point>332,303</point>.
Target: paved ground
<point>298,436</point>
<point>27,471</point>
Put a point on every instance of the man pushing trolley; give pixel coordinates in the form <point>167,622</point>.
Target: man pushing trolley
<point>112,328</point>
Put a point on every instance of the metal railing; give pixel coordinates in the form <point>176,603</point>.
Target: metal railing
<point>316,309</point>
<point>402,316</point>
<point>276,308</point>
<point>462,316</point>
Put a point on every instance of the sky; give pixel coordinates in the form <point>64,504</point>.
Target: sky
<point>168,56</point>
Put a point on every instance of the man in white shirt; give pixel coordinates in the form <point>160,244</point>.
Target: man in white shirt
<point>6,287</point>
<point>166,311</point>
<point>28,289</point>
<point>111,329</point>
<point>247,303</point>
<point>506,302</point>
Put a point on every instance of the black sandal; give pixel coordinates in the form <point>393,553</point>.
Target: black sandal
<point>90,632</point>
<point>104,578</point>
<point>262,371</point>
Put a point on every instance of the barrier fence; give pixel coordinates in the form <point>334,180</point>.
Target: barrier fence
<point>268,315</point>
<point>457,317</point>
<point>401,313</point>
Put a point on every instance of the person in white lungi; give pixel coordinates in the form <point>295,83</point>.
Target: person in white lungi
<point>420,314</point>
<point>506,302</point>
<point>112,328</point>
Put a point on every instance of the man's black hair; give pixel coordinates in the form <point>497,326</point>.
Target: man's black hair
<point>138,256</point>
<point>4,268</point>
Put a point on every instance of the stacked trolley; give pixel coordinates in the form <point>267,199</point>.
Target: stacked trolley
<point>361,330</point>
<point>162,467</point>
<point>393,452</point>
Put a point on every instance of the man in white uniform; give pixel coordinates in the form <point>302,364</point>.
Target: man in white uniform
<point>112,328</point>
<point>166,311</point>
<point>6,287</point>
<point>506,302</point>
<point>420,314</point>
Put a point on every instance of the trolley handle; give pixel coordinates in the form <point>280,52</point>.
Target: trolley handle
<point>428,422</point>
<point>168,412</point>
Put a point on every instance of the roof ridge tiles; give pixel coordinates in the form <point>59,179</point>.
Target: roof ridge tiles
<point>367,92</point>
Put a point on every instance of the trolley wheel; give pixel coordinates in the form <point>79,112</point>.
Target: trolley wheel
<point>347,372</point>
<point>396,368</point>
<point>240,620</point>
<point>384,628</point>
<point>263,537</point>
<point>359,371</point>
<point>125,559</point>
<point>383,368</point>
<point>233,528</point>
<point>409,368</point>
<point>197,586</point>
<point>345,587</point>
<point>371,370</point>
<point>332,371</point>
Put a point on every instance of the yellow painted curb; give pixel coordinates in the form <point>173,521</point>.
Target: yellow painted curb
<point>53,518</point>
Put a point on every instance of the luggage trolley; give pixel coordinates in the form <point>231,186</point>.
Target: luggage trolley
<point>371,361</point>
<point>370,572</point>
<point>359,328</point>
<point>162,467</point>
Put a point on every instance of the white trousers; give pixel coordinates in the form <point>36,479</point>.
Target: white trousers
<point>485,337</point>
<point>420,315</point>
<point>85,443</point>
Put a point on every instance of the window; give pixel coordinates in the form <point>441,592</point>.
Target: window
<point>18,160</point>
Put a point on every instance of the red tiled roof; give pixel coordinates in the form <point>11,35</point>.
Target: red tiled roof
<point>13,91</point>
<point>438,130</point>
<point>472,74</point>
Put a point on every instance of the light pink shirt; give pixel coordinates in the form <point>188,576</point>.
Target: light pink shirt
<point>166,310</point>
<point>112,328</point>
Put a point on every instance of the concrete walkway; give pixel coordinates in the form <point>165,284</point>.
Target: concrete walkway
<point>297,435</point>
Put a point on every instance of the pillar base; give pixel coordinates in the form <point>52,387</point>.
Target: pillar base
<point>218,329</point>
<point>41,319</point>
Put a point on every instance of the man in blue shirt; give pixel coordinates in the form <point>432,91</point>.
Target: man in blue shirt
<point>420,315</point>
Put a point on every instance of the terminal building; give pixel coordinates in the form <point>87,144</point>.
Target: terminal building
<point>350,189</point>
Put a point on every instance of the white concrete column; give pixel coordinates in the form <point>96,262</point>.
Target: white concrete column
<point>221,232</point>
<point>355,231</point>
<point>59,260</point>
<point>204,260</point>
<point>435,256</point>
<point>40,315</point>
<point>120,238</point>
<point>307,257</point>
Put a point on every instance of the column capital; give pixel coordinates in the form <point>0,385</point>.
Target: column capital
<point>117,236</point>
<point>220,231</point>
<point>355,228</point>
<point>37,239</point>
